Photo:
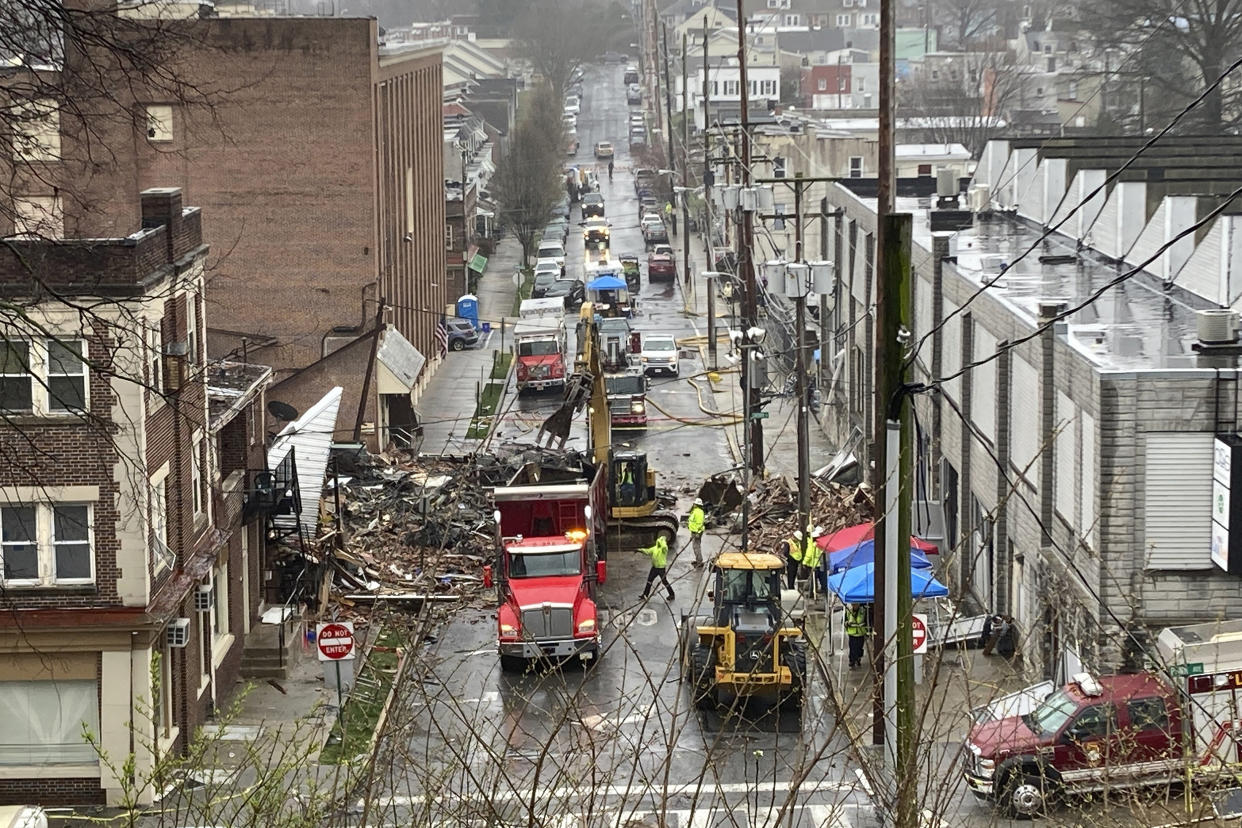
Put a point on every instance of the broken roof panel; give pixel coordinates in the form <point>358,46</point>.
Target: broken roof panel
<point>309,437</point>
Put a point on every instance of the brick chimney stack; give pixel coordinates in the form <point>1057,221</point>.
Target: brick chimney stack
<point>161,207</point>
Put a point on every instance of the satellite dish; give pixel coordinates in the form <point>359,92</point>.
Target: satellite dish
<point>282,411</point>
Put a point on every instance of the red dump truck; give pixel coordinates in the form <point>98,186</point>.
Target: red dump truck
<point>549,562</point>
<point>539,351</point>
<point>1109,733</point>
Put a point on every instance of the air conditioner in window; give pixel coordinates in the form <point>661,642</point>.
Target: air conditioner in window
<point>205,597</point>
<point>178,632</point>
<point>176,356</point>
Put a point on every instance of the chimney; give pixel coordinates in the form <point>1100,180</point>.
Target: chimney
<point>161,207</point>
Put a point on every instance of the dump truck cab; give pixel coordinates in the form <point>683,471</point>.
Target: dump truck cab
<point>748,647</point>
<point>627,398</point>
<point>546,571</point>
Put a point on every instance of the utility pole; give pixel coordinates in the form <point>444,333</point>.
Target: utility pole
<point>685,169</point>
<point>668,100</point>
<point>883,349</point>
<point>750,313</point>
<point>707,200</point>
<point>804,435</point>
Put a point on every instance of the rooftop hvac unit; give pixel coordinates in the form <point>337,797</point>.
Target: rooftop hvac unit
<point>992,262</point>
<point>978,198</point>
<point>946,183</point>
<point>178,632</point>
<point>1216,326</point>
<point>205,597</point>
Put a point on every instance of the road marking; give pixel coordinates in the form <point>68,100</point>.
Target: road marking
<point>828,816</point>
<point>490,698</point>
<point>692,788</point>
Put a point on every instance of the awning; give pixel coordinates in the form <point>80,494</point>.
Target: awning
<point>477,262</point>
<point>400,363</point>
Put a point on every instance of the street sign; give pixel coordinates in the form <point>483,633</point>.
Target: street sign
<point>759,415</point>
<point>336,641</point>
<point>918,633</point>
<point>1194,668</point>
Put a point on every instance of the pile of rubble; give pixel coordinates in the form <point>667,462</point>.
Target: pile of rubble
<point>774,508</point>
<point>418,529</point>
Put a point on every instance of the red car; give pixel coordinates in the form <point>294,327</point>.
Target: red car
<point>661,266</point>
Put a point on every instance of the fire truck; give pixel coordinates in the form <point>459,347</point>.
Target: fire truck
<point>539,351</point>
<point>1175,723</point>
<point>549,561</point>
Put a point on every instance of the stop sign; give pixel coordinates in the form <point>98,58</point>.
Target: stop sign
<point>918,633</point>
<point>336,641</point>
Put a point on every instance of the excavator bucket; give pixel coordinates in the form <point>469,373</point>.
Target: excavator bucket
<point>557,426</point>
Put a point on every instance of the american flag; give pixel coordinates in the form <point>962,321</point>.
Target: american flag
<point>442,335</point>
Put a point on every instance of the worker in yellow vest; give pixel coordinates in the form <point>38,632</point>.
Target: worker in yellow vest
<point>797,547</point>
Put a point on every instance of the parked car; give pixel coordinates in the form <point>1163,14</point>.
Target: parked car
<point>603,150</point>
<point>571,290</point>
<point>562,208</point>
<point>553,249</point>
<point>543,281</point>
<point>654,231</point>
<point>557,231</point>
<point>593,205</point>
<point>633,94</point>
<point>631,75</point>
<point>660,354</point>
<point>549,266</point>
<point>573,105</point>
<point>461,335</point>
<point>570,121</point>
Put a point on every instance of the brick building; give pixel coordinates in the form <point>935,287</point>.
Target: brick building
<point>315,155</point>
<point>121,540</point>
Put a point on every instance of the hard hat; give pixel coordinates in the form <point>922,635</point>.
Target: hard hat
<point>817,531</point>
<point>698,501</point>
<point>797,534</point>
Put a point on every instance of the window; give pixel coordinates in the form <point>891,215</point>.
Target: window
<point>715,88</point>
<point>778,167</point>
<point>38,216</point>
<point>767,88</point>
<point>731,88</point>
<point>1093,722</point>
<point>43,376</point>
<point>869,19</point>
<point>71,543</point>
<point>848,4</point>
<point>1047,48</point>
<point>1039,91</point>
<point>935,74</point>
<point>44,721</point>
<point>925,170</point>
<point>220,609</point>
<point>66,375</point>
<point>191,327</point>
<point>860,84</point>
<point>155,359</point>
<point>822,85</point>
<point>159,122</point>
<point>856,166</point>
<point>46,544</point>
<point>196,471</point>
<point>1148,714</point>
<point>18,543</point>
<point>843,20</point>
<point>793,19</point>
<point>161,555</point>
<point>448,237</point>
<point>16,381</point>
<point>36,131</point>
<point>1071,90</point>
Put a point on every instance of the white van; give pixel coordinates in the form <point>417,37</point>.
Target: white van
<point>551,249</point>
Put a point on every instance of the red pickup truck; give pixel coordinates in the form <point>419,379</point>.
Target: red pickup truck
<point>661,266</point>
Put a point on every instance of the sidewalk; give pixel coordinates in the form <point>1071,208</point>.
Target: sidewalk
<point>448,400</point>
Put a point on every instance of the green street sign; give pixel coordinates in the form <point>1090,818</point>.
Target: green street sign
<point>759,415</point>
<point>1195,668</point>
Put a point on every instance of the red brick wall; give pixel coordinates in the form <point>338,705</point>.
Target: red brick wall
<point>51,792</point>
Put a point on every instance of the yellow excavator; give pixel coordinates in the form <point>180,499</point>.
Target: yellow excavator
<point>632,491</point>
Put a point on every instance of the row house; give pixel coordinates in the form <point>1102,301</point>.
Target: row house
<point>1084,392</point>
<point>128,578</point>
<point>469,155</point>
<point>320,177</point>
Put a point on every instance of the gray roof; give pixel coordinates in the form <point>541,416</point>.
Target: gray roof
<point>399,355</point>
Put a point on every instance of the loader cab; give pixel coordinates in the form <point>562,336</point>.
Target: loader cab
<point>748,591</point>
<point>629,479</point>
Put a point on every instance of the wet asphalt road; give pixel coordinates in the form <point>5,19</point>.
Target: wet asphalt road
<point>619,742</point>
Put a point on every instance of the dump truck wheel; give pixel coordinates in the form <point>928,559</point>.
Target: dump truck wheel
<point>513,664</point>
<point>1026,795</point>
<point>702,676</point>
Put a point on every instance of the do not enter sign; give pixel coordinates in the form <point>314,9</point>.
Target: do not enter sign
<point>918,633</point>
<point>336,641</point>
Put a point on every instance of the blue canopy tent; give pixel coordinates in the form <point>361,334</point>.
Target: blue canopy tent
<point>864,553</point>
<point>857,585</point>
<point>606,283</point>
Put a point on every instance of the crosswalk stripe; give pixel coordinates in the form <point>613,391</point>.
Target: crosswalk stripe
<point>828,816</point>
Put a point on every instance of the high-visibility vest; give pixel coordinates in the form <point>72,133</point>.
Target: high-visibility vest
<point>695,521</point>
<point>855,621</point>
<point>795,549</point>
<point>658,552</point>
<point>813,555</point>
